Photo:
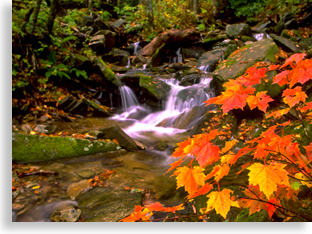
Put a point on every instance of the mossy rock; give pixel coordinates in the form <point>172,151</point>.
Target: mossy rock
<point>28,148</point>
<point>154,87</point>
<point>106,72</point>
<point>247,56</point>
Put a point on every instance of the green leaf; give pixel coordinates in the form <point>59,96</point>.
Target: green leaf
<point>48,74</point>
<point>52,57</point>
<point>295,185</point>
<point>201,27</point>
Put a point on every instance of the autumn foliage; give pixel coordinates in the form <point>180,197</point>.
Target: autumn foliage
<point>277,156</point>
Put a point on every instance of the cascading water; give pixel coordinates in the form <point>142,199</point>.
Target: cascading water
<point>128,98</point>
<point>136,45</point>
<point>180,100</point>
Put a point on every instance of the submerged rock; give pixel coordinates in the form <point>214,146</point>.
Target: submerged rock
<point>66,214</point>
<point>104,205</point>
<point>78,188</point>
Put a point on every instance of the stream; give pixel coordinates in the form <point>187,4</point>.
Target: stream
<point>141,169</point>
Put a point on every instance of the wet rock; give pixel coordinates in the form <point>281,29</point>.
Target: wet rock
<point>229,50</point>
<point>288,45</point>
<point>98,25</point>
<point>78,188</point>
<point>155,88</point>
<point>140,145</point>
<point>97,44</point>
<point>110,39</point>
<point>115,132</point>
<point>211,59</point>
<point>118,23</point>
<point>263,26</point>
<point>87,21</point>
<point>158,57</point>
<point>116,56</point>
<point>291,24</point>
<point>66,214</point>
<point>86,174</point>
<point>36,148</point>
<point>190,80</point>
<point>235,30</point>
<point>139,59</point>
<point>192,52</point>
<point>161,145</point>
<point>105,205</point>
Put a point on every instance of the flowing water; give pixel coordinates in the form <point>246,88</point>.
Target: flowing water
<point>141,169</point>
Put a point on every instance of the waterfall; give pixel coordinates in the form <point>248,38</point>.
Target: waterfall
<point>180,60</point>
<point>136,45</point>
<point>128,98</point>
<point>128,63</point>
<point>206,68</point>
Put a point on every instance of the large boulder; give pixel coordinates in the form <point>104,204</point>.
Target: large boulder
<point>98,110</point>
<point>28,148</point>
<point>247,56</point>
<point>235,30</point>
<point>119,57</point>
<point>66,214</point>
<point>102,42</point>
<point>115,132</point>
<point>154,87</point>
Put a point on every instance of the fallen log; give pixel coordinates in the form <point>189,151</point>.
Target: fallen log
<point>173,35</point>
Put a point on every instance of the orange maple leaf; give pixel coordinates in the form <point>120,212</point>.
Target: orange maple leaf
<point>208,154</point>
<point>201,191</point>
<point>190,178</point>
<point>254,204</point>
<point>294,96</point>
<point>294,58</point>
<point>221,202</point>
<point>281,78</point>
<point>271,208</point>
<point>268,177</point>
<point>260,100</point>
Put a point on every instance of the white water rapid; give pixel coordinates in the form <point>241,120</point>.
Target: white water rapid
<point>180,100</point>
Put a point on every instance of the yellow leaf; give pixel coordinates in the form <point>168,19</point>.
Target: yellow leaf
<point>221,202</point>
<point>190,178</point>
<point>268,177</point>
<point>36,187</point>
<point>303,179</point>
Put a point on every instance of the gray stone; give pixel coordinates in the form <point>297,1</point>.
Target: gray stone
<point>75,189</point>
<point>235,30</point>
<point>190,80</point>
<point>66,214</point>
<point>119,57</point>
<point>291,24</point>
<point>98,110</point>
<point>26,128</point>
<point>115,132</point>
<point>118,23</point>
<point>41,129</point>
<point>211,59</point>
<point>288,45</point>
<point>229,50</point>
<point>154,87</point>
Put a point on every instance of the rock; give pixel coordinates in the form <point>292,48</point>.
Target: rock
<point>263,26</point>
<point>106,72</point>
<point>86,174</point>
<point>97,44</point>
<point>36,148</point>
<point>66,214</point>
<point>235,30</point>
<point>161,145</point>
<point>26,128</point>
<point>87,21</point>
<point>116,56</point>
<point>291,24</point>
<point>154,87</point>
<point>109,39</point>
<point>104,205</point>
<point>190,80</point>
<point>287,45</point>
<point>98,25</point>
<point>118,23</point>
<point>46,129</point>
<point>140,145</point>
<point>79,108</point>
<point>307,42</point>
<point>65,102</point>
<point>75,189</point>
<point>98,110</point>
<point>158,57</point>
<point>211,59</point>
<point>229,50</point>
<point>44,118</point>
<point>115,132</point>
<point>193,52</point>
<point>248,55</point>
<point>139,59</point>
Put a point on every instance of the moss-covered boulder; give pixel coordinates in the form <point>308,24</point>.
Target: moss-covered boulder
<point>211,59</point>
<point>98,111</point>
<point>235,30</point>
<point>106,72</point>
<point>28,148</point>
<point>158,57</point>
<point>247,56</point>
<point>154,88</point>
<point>287,45</point>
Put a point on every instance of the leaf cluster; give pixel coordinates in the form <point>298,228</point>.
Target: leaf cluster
<point>277,161</point>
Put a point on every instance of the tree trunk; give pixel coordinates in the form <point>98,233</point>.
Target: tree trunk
<point>193,5</point>
<point>35,16</point>
<point>52,15</point>
<point>150,14</point>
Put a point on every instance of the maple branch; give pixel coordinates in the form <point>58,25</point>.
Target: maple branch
<point>278,206</point>
<point>300,169</point>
